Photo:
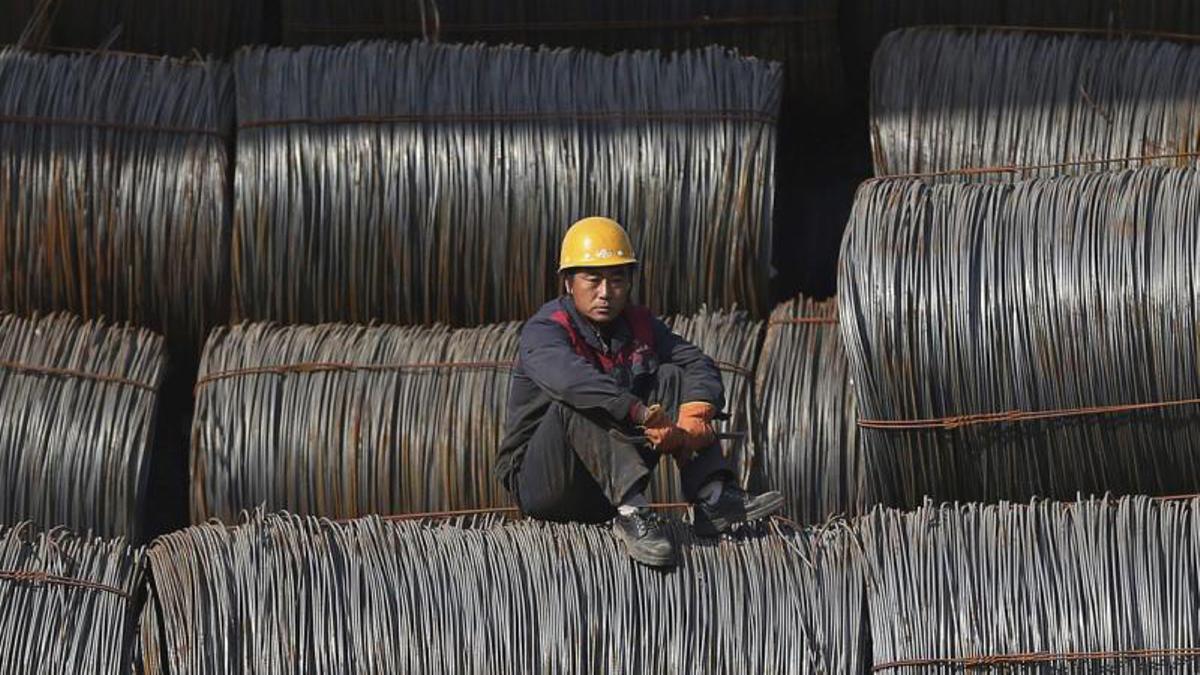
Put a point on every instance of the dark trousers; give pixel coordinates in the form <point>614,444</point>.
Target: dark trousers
<point>573,470</point>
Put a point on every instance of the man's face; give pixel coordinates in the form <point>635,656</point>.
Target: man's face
<point>600,293</point>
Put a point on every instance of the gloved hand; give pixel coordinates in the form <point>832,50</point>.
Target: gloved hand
<point>667,439</point>
<point>647,416</point>
<point>695,420</point>
<point>658,429</point>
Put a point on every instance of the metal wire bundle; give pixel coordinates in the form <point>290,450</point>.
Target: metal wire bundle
<point>68,604</point>
<point>1096,586</point>
<point>730,339</point>
<point>414,183</point>
<point>801,35</point>
<point>340,420</point>
<point>809,414</point>
<point>78,402</point>
<point>113,189</point>
<point>1014,340</point>
<point>289,594</point>
<point>1048,99</point>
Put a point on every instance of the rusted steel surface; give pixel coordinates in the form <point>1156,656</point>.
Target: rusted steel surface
<point>283,593</point>
<point>1052,103</point>
<point>78,403</point>
<point>1008,341</point>
<point>731,339</point>
<point>113,189</point>
<point>340,420</point>
<point>68,603</point>
<point>419,183</point>
<point>1097,586</point>
<point>813,455</point>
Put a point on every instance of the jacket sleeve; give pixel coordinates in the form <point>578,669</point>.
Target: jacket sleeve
<point>549,360</point>
<point>701,378</point>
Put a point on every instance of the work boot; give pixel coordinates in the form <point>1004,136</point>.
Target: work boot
<point>732,507</point>
<point>645,537</point>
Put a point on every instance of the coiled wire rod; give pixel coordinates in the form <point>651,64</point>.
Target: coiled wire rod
<point>809,414</point>
<point>78,403</point>
<point>282,593</point>
<point>1097,586</point>
<point>1016,340</point>
<point>113,190</point>
<point>340,420</point>
<point>419,183</point>
<point>68,603</point>
<point>1057,102</point>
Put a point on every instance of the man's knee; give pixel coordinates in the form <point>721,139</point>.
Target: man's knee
<point>551,483</point>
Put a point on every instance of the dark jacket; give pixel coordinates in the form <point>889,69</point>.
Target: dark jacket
<point>562,358</point>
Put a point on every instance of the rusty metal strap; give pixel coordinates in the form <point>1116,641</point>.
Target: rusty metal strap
<point>957,421</point>
<point>99,124</point>
<point>26,368</point>
<point>803,320</point>
<point>727,367</point>
<point>1040,657</point>
<point>973,171</point>
<point>38,578</point>
<point>767,21</point>
<point>753,116</point>
<point>328,366</point>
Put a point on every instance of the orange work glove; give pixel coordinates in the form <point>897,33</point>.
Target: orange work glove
<point>660,432</point>
<point>695,420</point>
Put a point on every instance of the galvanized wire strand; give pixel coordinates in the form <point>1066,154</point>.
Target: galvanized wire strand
<point>340,421</point>
<point>731,340</point>
<point>1008,341</point>
<point>1097,586</point>
<point>418,183</point>
<point>78,402</point>
<point>282,593</point>
<point>68,603</point>
<point>808,408</point>
<point>1047,100</point>
<point>113,190</point>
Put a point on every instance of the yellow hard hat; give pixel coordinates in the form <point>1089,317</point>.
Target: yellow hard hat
<point>595,242</point>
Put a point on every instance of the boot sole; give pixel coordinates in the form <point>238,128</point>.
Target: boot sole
<point>769,503</point>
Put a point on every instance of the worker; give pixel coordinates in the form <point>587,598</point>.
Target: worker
<point>590,362</point>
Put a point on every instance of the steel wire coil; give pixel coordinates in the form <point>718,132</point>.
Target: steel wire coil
<point>869,21</point>
<point>284,593</point>
<point>809,414</point>
<point>802,35</point>
<point>417,183</point>
<point>340,421</point>
<point>78,402</point>
<point>1048,99</point>
<point>1030,339</point>
<point>820,147</point>
<point>1094,586</point>
<point>113,190</point>
<point>68,603</point>
<point>394,427</point>
<point>731,339</point>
